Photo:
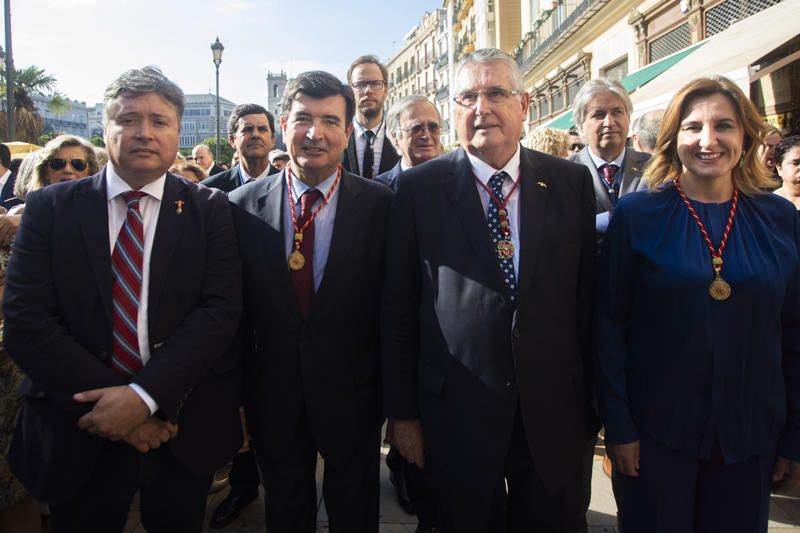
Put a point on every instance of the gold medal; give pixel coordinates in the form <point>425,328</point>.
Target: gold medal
<point>296,260</point>
<point>719,289</point>
<point>505,248</point>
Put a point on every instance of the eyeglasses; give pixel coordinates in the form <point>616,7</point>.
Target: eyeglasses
<point>576,146</point>
<point>361,86</point>
<point>496,95</point>
<point>416,129</point>
<point>57,163</point>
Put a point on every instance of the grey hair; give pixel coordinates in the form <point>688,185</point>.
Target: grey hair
<point>646,128</point>
<point>24,173</point>
<point>590,90</point>
<point>136,82</point>
<point>399,107</point>
<point>491,55</point>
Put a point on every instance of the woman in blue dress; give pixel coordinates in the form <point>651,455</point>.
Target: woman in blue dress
<point>698,327</point>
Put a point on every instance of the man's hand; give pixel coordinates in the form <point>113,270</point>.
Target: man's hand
<point>118,411</point>
<point>785,475</point>
<point>625,458</point>
<point>9,225</point>
<point>151,434</point>
<point>406,436</point>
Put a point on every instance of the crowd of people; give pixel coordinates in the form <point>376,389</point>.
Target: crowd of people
<point>496,306</point>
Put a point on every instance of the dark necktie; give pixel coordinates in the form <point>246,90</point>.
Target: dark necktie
<point>609,171</point>
<point>126,287</point>
<point>303,279</point>
<point>369,154</point>
<point>496,232</point>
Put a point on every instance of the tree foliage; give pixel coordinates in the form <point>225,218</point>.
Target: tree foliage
<point>225,150</point>
<point>27,82</point>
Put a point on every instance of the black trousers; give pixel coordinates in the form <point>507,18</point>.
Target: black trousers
<point>171,499</point>
<point>244,478</point>
<point>677,492</point>
<point>351,488</point>
<point>519,501</point>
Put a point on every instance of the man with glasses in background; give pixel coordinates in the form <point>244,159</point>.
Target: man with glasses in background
<point>369,151</point>
<point>486,323</point>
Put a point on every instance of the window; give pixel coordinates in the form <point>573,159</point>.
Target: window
<point>669,43</point>
<point>616,70</point>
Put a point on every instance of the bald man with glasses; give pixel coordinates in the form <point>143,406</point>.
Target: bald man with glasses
<point>369,150</point>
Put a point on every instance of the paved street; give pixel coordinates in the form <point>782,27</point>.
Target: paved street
<point>784,515</point>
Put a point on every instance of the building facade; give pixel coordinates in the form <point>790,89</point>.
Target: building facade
<point>199,119</point>
<point>73,120</point>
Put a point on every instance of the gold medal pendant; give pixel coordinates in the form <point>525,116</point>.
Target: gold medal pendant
<point>296,260</point>
<point>505,248</point>
<point>719,289</point>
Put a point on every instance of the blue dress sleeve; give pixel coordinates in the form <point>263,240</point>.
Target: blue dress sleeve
<point>613,305</point>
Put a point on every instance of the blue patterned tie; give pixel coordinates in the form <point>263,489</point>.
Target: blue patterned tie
<point>496,232</point>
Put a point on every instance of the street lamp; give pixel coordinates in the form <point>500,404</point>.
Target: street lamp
<point>11,128</point>
<point>216,49</point>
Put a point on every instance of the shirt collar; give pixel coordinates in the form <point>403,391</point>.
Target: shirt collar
<point>361,129</point>
<point>483,171</point>
<point>115,185</point>
<point>599,161</point>
<point>247,177</point>
<point>323,187</point>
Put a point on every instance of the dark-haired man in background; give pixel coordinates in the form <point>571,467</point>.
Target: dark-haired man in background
<point>369,150</point>
<point>251,132</point>
<point>312,240</point>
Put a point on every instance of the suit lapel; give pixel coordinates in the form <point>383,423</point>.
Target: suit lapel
<point>534,195</point>
<point>462,192</point>
<point>169,228</point>
<point>633,166</point>
<point>92,205</point>
<point>600,190</point>
<point>270,205</point>
<point>346,230</point>
<point>352,155</point>
<point>387,161</point>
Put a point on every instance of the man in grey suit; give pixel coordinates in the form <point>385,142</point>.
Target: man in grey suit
<point>602,113</point>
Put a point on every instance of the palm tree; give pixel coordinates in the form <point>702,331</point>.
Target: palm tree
<point>28,81</point>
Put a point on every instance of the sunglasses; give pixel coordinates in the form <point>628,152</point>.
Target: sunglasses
<point>57,163</point>
<point>576,146</point>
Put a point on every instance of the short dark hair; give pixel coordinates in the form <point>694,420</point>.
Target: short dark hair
<point>242,110</point>
<point>5,155</point>
<point>367,59</point>
<point>319,84</point>
<point>784,146</point>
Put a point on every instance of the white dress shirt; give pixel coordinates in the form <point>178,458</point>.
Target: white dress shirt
<point>149,207</point>
<point>245,177</point>
<point>483,171</point>
<point>599,161</point>
<point>377,145</point>
<point>323,222</point>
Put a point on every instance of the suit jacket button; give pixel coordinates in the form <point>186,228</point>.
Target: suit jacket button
<point>515,333</point>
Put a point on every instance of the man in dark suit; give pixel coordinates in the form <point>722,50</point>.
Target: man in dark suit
<point>122,296</point>
<point>251,133</point>
<point>201,154</point>
<point>313,241</point>
<point>486,323</point>
<point>602,112</point>
<point>369,150</point>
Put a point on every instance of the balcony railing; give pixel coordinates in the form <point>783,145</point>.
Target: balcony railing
<point>551,28</point>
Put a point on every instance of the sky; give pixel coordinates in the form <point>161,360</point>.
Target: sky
<point>85,44</point>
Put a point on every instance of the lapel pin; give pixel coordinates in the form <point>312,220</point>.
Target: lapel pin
<point>541,184</point>
<point>179,209</point>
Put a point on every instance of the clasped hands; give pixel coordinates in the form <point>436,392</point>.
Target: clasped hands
<point>120,414</point>
<point>785,472</point>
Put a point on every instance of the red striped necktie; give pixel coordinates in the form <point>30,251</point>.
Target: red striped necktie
<point>126,288</point>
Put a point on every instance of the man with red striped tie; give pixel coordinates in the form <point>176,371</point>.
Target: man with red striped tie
<point>121,299</point>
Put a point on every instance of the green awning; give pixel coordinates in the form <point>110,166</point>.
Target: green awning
<point>632,81</point>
